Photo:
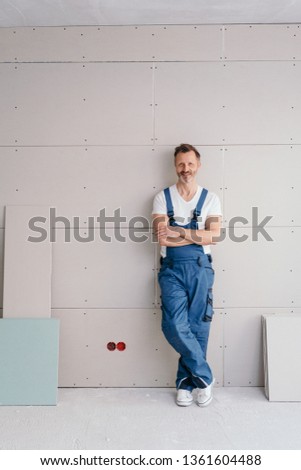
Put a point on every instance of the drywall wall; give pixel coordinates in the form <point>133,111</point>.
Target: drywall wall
<point>90,117</point>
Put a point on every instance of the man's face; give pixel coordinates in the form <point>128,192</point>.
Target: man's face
<point>187,165</point>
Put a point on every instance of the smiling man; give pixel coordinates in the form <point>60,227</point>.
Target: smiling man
<point>187,220</point>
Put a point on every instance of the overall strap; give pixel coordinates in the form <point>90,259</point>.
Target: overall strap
<point>170,211</point>
<point>197,211</point>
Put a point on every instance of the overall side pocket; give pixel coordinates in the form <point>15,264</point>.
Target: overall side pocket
<point>209,308</point>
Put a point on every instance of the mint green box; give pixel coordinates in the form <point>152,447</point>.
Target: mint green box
<point>29,350</point>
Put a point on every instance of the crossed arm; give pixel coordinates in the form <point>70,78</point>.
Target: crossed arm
<point>179,236</point>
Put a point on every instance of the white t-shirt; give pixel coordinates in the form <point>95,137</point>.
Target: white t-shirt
<point>183,210</point>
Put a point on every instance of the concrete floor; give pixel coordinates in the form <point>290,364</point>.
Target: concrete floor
<point>238,418</point>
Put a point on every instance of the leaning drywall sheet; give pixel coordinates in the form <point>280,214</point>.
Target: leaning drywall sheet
<point>29,361</point>
<point>27,264</point>
<point>1,266</point>
<point>283,350</point>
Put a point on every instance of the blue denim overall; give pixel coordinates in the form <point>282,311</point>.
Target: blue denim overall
<point>186,279</point>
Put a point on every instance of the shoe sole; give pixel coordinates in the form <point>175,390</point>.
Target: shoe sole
<point>206,403</point>
<point>179,403</point>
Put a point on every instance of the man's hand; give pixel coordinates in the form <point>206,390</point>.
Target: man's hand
<point>165,231</point>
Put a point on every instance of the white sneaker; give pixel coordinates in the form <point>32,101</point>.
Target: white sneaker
<point>204,397</point>
<point>184,397</point>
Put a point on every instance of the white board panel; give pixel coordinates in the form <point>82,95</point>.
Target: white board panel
<point>215,354</point>
<point>77,181</point>
<point>262,42</point>
<point>187,42</point>
<point>111,43</point>
<point>86,361</point>
<point>189,103</point>
<point>261,102</point>
<point>114,271</point>
<point>76,104</point>
<point>275,173</point>
<point>235,103</point>
<point>282,343</point>
<point>27,265</point>
<point>42,44</point>
<point>259,273</point>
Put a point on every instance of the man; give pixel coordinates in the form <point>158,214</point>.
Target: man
<point>187,220</point>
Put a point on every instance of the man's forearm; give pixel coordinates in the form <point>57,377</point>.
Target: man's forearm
<point>199,237</point>
<point>171,241</point>
<point>189,236</point>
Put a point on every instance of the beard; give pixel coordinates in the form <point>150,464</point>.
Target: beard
<point>186,177</point>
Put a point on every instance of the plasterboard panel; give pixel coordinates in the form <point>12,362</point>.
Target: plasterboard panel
<point>189,103</point>
<point>27,264</point>
<point>85,360</point>
<point>77,44</point>
<point>274,171</point>
<point>235,103</point>
<point>114,271</point>
<point>282,349</point>
<point>67,104</point>
<point>29,361</point>
<point>188,42</point>
<point>262,42</point>
<point>243,355</point>
<point>259,273</point>
<point>42,44</point>
<point>1,266</point>
<point>83,185</point>
<point>215,354</point>
<point>262,105</point>
<point>111,43</point>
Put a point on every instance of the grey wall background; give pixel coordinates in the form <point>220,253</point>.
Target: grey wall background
<point>90,117</point>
